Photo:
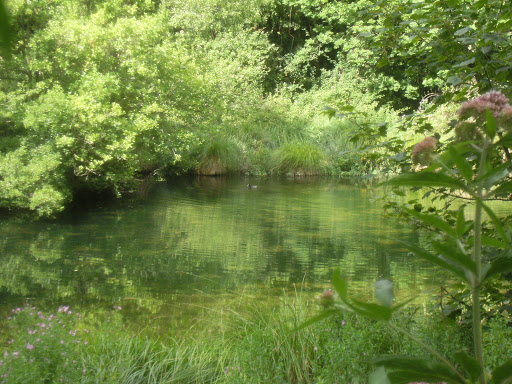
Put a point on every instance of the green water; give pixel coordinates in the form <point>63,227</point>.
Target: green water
<point>197,248</point>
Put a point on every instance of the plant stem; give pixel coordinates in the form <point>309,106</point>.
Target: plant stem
<point>477,258</point>
<point>428,348</point>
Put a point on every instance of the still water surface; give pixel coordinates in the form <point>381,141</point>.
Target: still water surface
<point>197,247</point>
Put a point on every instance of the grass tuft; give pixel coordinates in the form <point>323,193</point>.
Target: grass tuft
<point>300,159</point>
<point>219,157</point>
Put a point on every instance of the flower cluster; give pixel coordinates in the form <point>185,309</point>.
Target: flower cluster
<point>494,101</point>
<point>423,153</point>
<point>49,344</point>
<point>473,114</point>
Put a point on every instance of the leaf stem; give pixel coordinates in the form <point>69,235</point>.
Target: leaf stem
<point>477,258</point>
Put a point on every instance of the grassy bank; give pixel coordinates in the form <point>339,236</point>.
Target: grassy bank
<point>259,345</point>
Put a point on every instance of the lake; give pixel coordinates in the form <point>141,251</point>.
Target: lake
<point>196,248</point>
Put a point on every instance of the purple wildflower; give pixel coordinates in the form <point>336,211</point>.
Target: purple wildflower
<point>422,153</point>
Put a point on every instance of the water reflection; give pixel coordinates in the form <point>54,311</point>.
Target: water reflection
<point>197,246</point>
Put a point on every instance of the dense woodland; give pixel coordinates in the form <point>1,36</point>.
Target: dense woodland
<point>101,97</point>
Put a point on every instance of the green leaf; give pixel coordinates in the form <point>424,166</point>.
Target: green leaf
<point>497,222</point>
<point>492,242</point>
<point>462,31</point>
<point>490,124</point>
<point>461,223</point>
<point>437,260</point>
<point>426,179</point>
<point>460,162</point>
<point>434,221</point>
<point>406,369</point>
<point>503,188</point>
<point>339,285</point>
<point>451,252</point>
<point>493,176</point>
<point>505,141</point>
<point>465,63</point>
<point>379,377</point>
<point>454,80</point>
<point>469,363</point>
<point>315,319</point>
<point>370,310</point>
<point>347,108</point>
<point>500,265</point>
<point>384,292</point>
<point>503,374</point>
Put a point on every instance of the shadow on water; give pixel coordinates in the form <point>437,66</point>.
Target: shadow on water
<point>204,243</point>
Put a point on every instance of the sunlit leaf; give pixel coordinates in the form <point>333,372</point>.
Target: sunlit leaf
<point>347,108</point>
<point>426,179</point>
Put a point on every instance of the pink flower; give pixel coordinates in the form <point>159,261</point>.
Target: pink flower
<point>30,346</point>
<point>422,153</point>
<point>495,101</point>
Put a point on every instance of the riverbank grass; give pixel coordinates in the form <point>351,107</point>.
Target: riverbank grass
<point>258,344</point>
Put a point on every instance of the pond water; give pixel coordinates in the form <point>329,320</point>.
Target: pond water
<point>195,248</point>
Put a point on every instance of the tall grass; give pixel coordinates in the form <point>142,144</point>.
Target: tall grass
<point>140,360</point>
<point>257,344</point>
<point>300,159</point>
<point>218,157</point>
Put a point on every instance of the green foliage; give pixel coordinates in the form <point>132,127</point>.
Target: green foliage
<point>33,179</point>
<point>218,157</point>
<point>49,344</point>
<point>300,159</point>
<point>464,169</point>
